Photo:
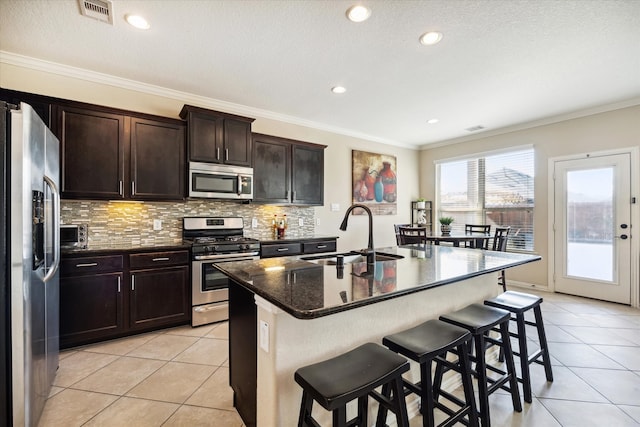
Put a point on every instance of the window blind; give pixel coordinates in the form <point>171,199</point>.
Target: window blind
<point>495,189</point>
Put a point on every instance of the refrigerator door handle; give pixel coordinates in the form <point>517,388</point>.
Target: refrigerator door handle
<point>56,228</point>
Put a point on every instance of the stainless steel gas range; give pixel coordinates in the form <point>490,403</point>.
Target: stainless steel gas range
<point>214,240</point>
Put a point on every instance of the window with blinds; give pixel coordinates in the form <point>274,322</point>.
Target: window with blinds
<point>495,189</point>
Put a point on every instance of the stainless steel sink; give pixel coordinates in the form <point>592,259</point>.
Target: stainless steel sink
<point>350,257</point>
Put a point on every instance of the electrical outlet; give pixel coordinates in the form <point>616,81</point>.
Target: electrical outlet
<point>254,223</point>
<point>157,224</point>
<point>300,222</point>
<point>317,221</point>
<point>335,207</point>
<point>264,336</point>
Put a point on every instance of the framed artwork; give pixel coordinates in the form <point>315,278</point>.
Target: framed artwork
<point>374,182</point>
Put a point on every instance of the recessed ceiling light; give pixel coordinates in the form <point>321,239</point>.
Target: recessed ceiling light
<point>431,37</point>
<point>432,121</point>
<point>358,13</point>
<point>137,21</point>
<point>338,89</point>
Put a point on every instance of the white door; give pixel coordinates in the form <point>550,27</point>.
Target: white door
<point>592,229</point>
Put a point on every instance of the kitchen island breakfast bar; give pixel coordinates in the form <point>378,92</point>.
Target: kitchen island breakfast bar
<point>285,313</point>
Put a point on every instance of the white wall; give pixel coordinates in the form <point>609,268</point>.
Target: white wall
<point>86,87</point>
<point>598,132</point>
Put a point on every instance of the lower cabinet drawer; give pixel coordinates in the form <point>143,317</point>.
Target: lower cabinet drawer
<point>90,265</point>
<point>283,249</point>
<point>158,259</point>
<point>317,247</point>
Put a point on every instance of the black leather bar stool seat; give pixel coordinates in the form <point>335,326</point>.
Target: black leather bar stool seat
<point>518,304</point>
<point>430,342</point>
<point>480,319</point>
<point>354,375</point>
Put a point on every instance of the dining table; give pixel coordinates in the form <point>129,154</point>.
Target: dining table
<point>476,240</point>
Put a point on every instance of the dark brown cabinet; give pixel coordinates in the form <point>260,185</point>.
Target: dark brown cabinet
<point>275,248</point>
<point>157,160</point>
<point>216,137</point>
<point>286,171</point>
<point>109,296</point>
<point>91,299</point>
<point>109,155</point>
<point>92,150</point>
<point>159,293</point>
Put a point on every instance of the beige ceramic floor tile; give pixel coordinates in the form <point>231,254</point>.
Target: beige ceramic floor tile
<point>54,390</point>
<point>79,365</point>
<point>221,331</point>
<point>119,376</point>
<point>187,330</point>
<point>620,387</point>
<point>128,411</point>
<point>163,347</point>
<point>188,416</point>
<point>66,353</point>
<point>582,414</point>
<point>206,351</point>
<point>71,408</point>
<point>174,382</point>
<point>120,346</point>
<point>215,392</point>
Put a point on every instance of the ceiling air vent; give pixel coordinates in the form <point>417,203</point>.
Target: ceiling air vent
<point>475,128</point>
<point>102,10</point>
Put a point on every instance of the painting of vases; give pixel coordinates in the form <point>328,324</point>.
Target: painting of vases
<point>374,182</point>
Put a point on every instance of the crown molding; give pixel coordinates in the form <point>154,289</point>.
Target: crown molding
<point>10,58</point>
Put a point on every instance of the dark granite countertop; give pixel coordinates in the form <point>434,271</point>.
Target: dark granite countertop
<point>126,246</point>
<point>307,290</point>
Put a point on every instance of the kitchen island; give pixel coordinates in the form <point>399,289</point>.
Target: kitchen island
<point>289,312</point>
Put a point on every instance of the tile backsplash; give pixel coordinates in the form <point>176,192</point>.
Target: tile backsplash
<point>132,222</point>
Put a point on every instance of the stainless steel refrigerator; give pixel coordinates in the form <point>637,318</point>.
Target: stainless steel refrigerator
<point>30,221</point>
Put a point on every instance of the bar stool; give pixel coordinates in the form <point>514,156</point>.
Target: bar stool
<point>354,375</point>
<point>429,342</point>
<point>518,304</point>
<point>480,320</point>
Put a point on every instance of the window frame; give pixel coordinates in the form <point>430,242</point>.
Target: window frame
<point>526,243</point>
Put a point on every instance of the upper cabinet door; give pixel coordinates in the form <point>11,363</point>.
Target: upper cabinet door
<point>237,143</point>
<point>157,160</point>
<point>92,147</point>
<point>272,170</point>
<point>216,137</point>
<point>307,175</point>
<point>205,138</point>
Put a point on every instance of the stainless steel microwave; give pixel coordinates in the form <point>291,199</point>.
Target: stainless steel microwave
<point>212,181</point>
<point>74,236</point>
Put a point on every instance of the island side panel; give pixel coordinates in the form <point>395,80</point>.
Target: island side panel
<point>243,351</point>
<point>294,343</point>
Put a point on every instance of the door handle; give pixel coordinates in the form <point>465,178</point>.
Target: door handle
<point>56,228</point>
<point>622,236</point>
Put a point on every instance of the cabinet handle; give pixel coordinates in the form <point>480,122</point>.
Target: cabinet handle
<point>118,284</point>
<point>286,194</point>
<point>133,282</point>
<point>282,249</point>
<point>226,154</point>
<point>160,259</point>
<point>133,188</point>
<point>293,195</point>
<point>120,188</point>
<point>88,264</point>
<point>218,153</point>
<point>321,246</point>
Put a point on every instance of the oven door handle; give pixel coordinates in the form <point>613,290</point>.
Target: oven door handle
<point>227,257</point>
<point>210,307</point>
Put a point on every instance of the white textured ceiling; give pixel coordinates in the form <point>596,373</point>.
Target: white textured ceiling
<point>500,63</point>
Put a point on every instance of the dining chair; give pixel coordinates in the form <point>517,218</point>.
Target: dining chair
<point>410,235</point>
<point>500,239</point>
<point>477,228</point>
<point>396,227</point>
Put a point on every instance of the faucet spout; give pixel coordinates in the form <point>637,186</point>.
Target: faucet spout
<point>371,255</point>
